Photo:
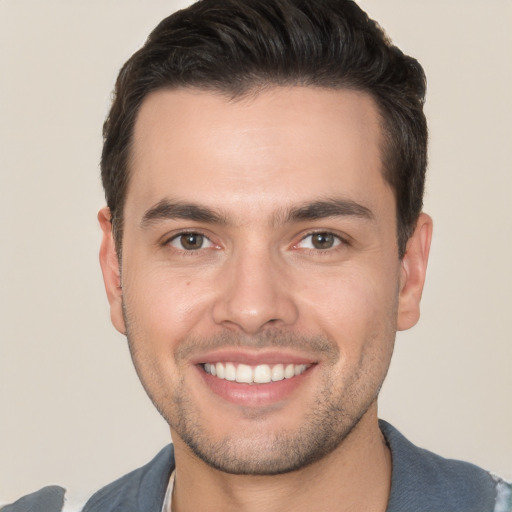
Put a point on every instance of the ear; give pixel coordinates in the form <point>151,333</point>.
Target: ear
<point>413,269</point>
<point>111,272</point>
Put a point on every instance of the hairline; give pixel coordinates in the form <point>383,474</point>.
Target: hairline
<point>251,91</point>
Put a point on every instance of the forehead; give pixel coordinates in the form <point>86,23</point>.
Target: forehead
<point>296,142</point>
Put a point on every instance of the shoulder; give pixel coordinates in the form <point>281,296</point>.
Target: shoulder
<point>424,481</point>
<point>503,495</point>
<point>142,489</point>
<point>48,499</point>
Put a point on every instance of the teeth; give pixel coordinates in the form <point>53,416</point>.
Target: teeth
<point>277,372</point>
<point>219,368</point>
<point>244,374</point>
<point>299,369</point>
<point>289,371</point>
<point>229,371</point>
<point>260,374</point>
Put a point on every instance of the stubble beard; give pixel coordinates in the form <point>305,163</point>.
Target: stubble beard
<point>333,414</point>
<point>323,429</point>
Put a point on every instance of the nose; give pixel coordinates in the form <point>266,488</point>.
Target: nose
<point>254,292</point>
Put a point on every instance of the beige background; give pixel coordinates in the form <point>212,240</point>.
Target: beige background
<point>71,409</point>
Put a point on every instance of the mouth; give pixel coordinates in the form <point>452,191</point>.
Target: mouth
<point>254,380</point>
<point>257,374</point>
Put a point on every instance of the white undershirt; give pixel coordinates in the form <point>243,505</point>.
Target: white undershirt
<point>168,494</point>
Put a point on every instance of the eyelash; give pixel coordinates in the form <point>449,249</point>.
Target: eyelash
<point>337,242</point>
<point>168,242</point>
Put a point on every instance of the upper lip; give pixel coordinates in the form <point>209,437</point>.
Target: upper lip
<point>251,358</point>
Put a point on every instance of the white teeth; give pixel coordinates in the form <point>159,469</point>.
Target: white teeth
<point>299,369</point>
<point>229,371</point>
<point>277,372</point>
<point>219,367</point>
<point>244,374</point>
<point>289,371</point>
<point>260,374</point>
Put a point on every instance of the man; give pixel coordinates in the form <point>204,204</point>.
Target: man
<point>263,242</point>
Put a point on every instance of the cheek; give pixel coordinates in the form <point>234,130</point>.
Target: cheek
<point>160,311</point>
<point>162,306</point>
<point>351,305</point>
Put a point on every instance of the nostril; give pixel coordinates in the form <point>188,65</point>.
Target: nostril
<point>251,301</point>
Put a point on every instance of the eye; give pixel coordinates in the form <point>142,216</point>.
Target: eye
<point>190,241</point>
<point>319,241</point>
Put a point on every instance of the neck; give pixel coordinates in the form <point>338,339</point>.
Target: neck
<point>355,476</point>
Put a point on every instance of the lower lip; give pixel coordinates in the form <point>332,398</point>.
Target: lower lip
<point>254,395</point>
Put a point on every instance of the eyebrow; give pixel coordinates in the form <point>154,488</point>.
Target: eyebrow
<point>334,207</point>
<point>168,210</point>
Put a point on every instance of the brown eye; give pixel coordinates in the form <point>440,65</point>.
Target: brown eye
<point>320,241</point>
<point>190,242</point>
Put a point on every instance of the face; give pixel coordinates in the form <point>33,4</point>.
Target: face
<point>260,285</point>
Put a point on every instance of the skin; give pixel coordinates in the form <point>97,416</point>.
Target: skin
<point>258,287</point>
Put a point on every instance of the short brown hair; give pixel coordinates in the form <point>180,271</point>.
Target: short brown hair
<point>236,46</point>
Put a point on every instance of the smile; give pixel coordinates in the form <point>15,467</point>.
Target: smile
<point>259,374</point>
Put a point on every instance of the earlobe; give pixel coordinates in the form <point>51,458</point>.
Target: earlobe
<point>111,272</point>
<point>412,273</point>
